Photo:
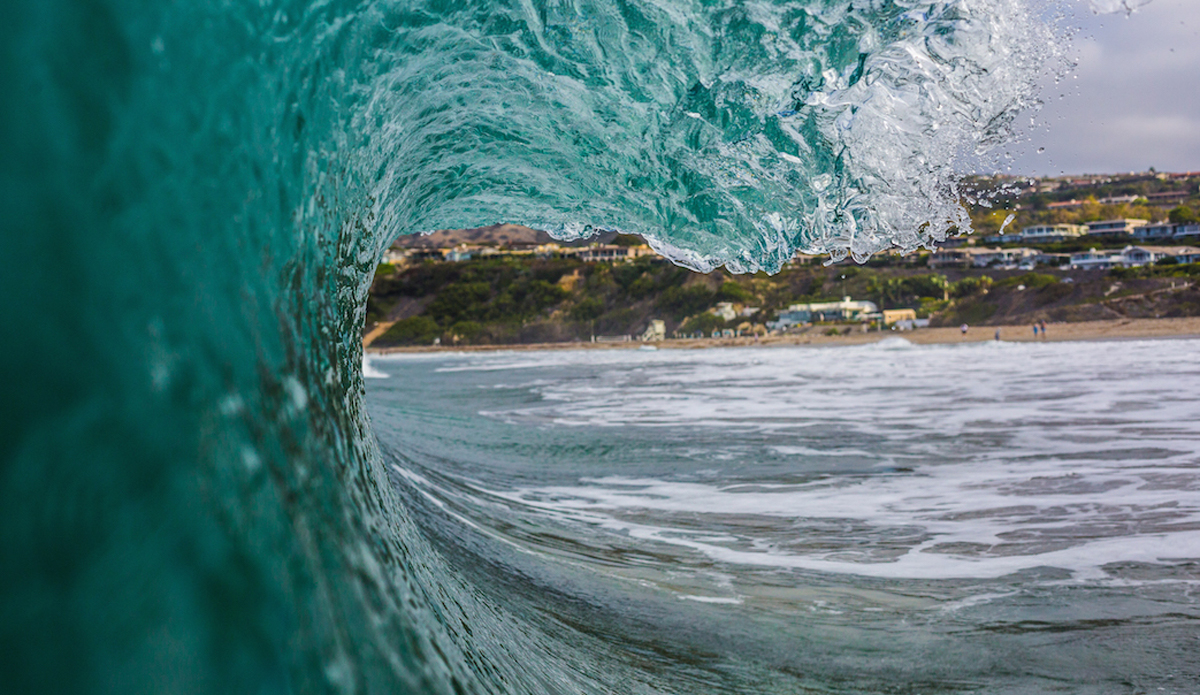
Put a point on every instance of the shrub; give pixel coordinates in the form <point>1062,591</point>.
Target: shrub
<point>970,286</point>
<point>732,292</point>
<point>417,330</point>
<point>678,302</point>
<point>705,322</point>
<point>1030,280</point>
<point>587,309</point>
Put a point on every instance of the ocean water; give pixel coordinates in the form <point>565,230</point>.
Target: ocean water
<point>193,199</point>
<point>892,518</point>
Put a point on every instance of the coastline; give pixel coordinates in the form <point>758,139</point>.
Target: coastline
<point>1109,329</point>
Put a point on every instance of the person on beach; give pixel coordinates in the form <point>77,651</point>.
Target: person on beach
<point>1042,323</point>
<point>1035,329</point>
<point>963,328</point>
<point>997,335</point>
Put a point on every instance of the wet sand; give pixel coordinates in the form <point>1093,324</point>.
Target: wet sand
<point>1116,329</point>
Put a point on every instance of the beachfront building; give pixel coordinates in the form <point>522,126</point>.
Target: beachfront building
<point>1051,233</point>
<point>891,316</point>
<point>845,310</point>
<point>657,330</point>
<point>1119,227</point>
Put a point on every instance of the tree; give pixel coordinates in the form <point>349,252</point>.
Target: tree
<point>1182,215</point>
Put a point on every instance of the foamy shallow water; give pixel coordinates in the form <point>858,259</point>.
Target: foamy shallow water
<point>996,485</point>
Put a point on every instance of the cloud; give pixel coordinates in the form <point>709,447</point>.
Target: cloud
<point>1133,101</point>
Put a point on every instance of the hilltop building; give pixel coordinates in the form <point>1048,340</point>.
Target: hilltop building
<point>1114,227</point>
<point>1132,257</point>
<point>612,253</point>
<point>1050,233</point>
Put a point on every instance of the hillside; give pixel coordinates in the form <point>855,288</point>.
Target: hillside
<point>525,300</point>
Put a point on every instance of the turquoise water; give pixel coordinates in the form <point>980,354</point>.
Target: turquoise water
<point>193,197</point>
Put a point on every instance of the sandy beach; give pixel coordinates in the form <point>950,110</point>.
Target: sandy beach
<point>1116,329</point>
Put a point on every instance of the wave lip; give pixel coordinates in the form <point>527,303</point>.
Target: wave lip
<point>731,135</point>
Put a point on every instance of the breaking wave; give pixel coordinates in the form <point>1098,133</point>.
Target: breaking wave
<point>194,197</point>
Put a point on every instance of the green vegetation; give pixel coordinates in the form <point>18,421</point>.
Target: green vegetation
<point>1035,208</point>
<point>512,299</point>
<point>515,300</point>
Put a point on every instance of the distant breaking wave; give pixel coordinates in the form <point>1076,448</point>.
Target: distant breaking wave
<point>194,197</point>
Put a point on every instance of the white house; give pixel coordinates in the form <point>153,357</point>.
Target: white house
<point>1154,230</point>
<point>983,258</point>
<point>1049,233</point>
<point>1114,227</point>
<point>1096,260</point>
<point>845,310</point>
<point>1188,232</point>
<point>725,310</point>
<point>657,330</point>
<point>1146,255</point>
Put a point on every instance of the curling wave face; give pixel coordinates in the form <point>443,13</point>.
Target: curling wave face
<point>194,196</point>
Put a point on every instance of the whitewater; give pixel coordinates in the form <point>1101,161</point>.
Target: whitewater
<point>199,494</point>
<point>988,517</point>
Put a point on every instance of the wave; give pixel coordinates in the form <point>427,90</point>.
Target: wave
<point>194,198</point>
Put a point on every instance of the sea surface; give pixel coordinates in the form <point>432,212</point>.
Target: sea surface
<point>891,518</point>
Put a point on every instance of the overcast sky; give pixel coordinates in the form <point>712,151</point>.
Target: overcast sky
<point>1134,102</point>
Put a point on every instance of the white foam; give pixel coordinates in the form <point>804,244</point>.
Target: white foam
<point>989,458</point>
<point>369,371</point>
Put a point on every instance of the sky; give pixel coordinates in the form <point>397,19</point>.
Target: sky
<point>1132,103</point>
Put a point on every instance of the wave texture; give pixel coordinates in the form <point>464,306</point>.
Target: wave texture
<point>194,196</point>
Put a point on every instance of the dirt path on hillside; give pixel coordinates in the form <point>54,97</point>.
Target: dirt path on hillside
<point>407,307</point>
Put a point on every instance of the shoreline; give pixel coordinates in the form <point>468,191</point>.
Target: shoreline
<point>1106,330</point>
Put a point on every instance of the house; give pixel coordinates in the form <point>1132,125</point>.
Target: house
<point>1134,256</point>
<point>1051,259</point>
<point>426,254</point>
<point>950,257</point>
<point>1154,230</point>
<point>1114,227</point>
<point>725,310</point>
<point>1167,197</point>
<point>982,258</point>
<point>1050,233</point>
<point>612,253</point>
<point>1096,260</point>
<point>845,310</point>
<point>787,319</point>
<point>891,316</point>
<point>1186,232</point>
<point>461,253</point>
<point>395,256</point>
<point>657,330</point>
